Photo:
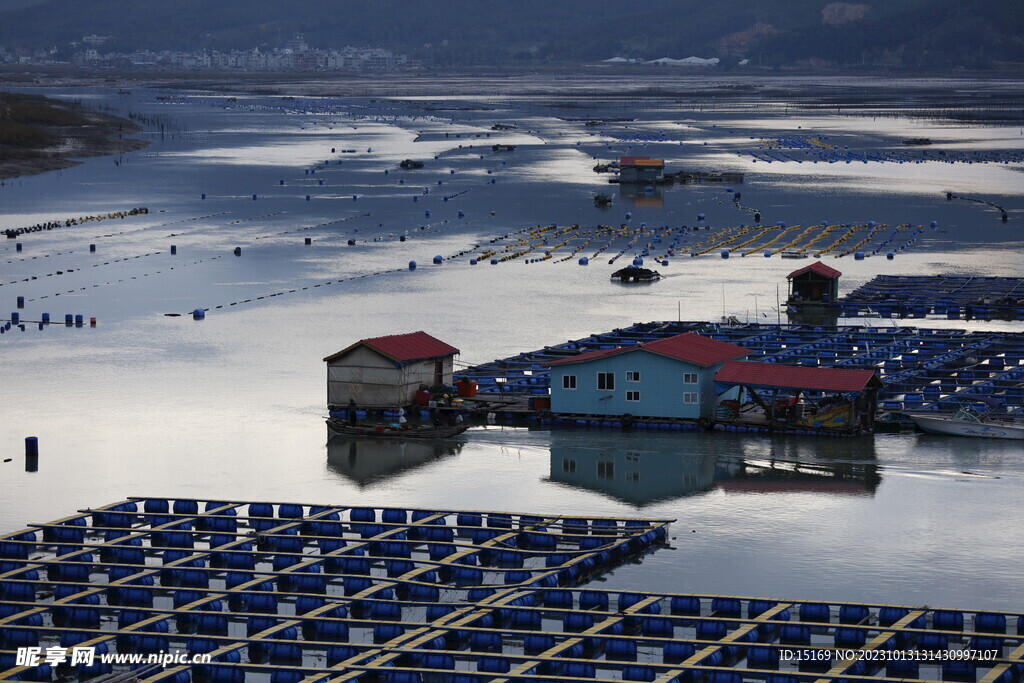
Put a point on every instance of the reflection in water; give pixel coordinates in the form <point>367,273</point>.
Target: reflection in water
<point>640,196</point>
<point>365,461</point>
<point>645,470</point>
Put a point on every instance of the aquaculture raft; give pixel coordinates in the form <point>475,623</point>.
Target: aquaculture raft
<point>147,575</point>
<point>916,296</point>
<point>331,593</point>
<point>920,368</point>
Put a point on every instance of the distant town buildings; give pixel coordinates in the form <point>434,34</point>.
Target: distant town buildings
<point>295,56</point>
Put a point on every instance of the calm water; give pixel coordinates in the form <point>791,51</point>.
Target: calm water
<point>232,407</point>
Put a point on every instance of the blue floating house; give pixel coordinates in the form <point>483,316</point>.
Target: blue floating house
<point>666,378</point>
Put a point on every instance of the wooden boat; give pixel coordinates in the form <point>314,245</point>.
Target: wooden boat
<point>406,431</point>
<point>966,422</point>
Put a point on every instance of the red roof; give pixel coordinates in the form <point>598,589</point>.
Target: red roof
<point>629,161</point>
<point>403,348</point>
<point>816,267</point>
<point>689,347</point>
<point>794,376</point>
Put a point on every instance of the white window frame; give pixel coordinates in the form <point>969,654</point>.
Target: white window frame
<point>633,396</point>
<point>632,375</point>
<point>569,465</point>
<point>691,398</point>
<point>603,378</point>
<point>691,378</point>
<point>605,469</point>
<point>569,382</point>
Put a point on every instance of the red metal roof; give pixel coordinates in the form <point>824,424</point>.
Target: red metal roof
<point>794,376</point>
<point>403,348</point>
<point>629,161</point>
<point>816,267</point>
<point>689,347</point>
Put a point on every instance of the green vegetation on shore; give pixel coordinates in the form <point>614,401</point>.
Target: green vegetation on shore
<point>40,134</point>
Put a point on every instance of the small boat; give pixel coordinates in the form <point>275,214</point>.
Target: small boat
<point>969,422</point>
<point>386,431</point>
<point>409,164</point>
<point>636,274</point>
<point>602,200</point>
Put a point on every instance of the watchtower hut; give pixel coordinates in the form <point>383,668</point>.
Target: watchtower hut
<point>813,284</point>
<point>641,170</point>
<point>385,372</point>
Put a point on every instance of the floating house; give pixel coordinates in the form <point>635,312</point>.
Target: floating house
<point>641,170</point>
<point>385,372</point>
<point>816,284</point>
<point>666,378</point>
<point>796,396</point>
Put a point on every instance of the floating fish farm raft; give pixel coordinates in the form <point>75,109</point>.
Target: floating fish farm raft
<point>921,368</point>
<point>288,592</point>
<point>908,296</point>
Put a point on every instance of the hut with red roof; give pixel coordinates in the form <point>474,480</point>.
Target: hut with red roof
<point>385,372</point>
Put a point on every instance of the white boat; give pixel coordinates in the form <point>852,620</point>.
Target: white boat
<point>968,423</point>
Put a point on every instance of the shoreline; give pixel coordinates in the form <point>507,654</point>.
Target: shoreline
<point>71,132</point>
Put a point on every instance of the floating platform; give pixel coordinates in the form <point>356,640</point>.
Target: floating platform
<point>918,296</point>
<point>921,368</point>
<point>291,592</point>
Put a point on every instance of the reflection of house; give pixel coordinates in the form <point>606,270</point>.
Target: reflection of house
<point>385,372</point>
<point>813,284</point>
<point>666,378</point>
<point>797,396</point>
<point>640,169</point>
<point>367,460</point>
<point>840,478</point>
<point>638,476</point>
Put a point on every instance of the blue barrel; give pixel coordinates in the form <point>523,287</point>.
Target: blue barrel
<point>638,673</point>
<point>438,259</point>
<point>858,255</point>
<point>382,633</point>
<point>948,620</point>
<point>620,650</point>
<point>20,303</point>
<point>814,611</point>
<point>988,622</point>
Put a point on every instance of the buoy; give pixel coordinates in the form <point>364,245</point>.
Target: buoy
<point>307,197</point>
<point>79,320</point>
<point>92,321</point>
<point>281,182</point>
<point>31,446</point>
<point>858,256</point>
<point>238,251</point>
<point>427,213</point>
<point>204,195</point>
<point>351,243</point>
<point>725,253</point>
<point>254,197</point>
<point>462,214</point>
<point>69,320</point>
<point>438,259</point>
<point>584,260</point>
<point>46,319</point>
<point>757,216</point>
<point>767,254</point>
<point>92,248</point>
<point>198,314</point>
<point>308,241</point>
<point>15,318</point>
<point>21,302</point>
<point>354,197</point>
<point>401,238</point>
<point>664,263</point>
<point>700,216</point>
<point>17,246</point>
<point>638,261</point>
<point>412,265</point>
<point>890,255</point>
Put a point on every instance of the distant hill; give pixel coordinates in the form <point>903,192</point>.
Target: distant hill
<point>932,34</point>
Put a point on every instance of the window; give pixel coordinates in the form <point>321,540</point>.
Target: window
<point>690,378</point>
<point>632,395</point>
<point>633,376</point>
<point>633,477</point>
<point>568,381</point>
<point>690,397</point>
<point>606,469</point>
<point>606,381</point>
<point>569,466</point>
